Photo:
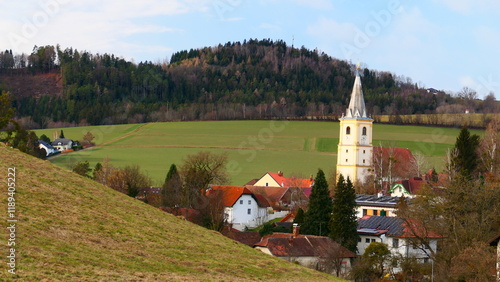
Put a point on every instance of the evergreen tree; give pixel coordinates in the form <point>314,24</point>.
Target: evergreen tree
<point>97,170</point>
<point>172,188</point>
<point>343,223</point>
<point>465,160</point>
<point>318,215</point>
<point>6,111</point>
<point>299,217</point>
<point>62,134</point>
<point>45,138</point>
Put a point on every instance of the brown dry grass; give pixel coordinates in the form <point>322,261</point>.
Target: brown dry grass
<point>71,228</point>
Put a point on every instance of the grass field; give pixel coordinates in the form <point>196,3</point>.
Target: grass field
<point>70,228</point>
<point>253,147</point>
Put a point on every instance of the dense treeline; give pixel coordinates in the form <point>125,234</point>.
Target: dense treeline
<point>250,80</point>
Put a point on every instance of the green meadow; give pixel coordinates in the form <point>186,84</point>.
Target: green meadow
<point>254,147</point>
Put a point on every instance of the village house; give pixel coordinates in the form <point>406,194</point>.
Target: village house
<point>375,205</point>
<point>316,252</point>
<point>62,144</point>
<point>242,208</point>
<point>397,233</point>
<point>407,188</point>
<point>273,179</point>
<point>49,149</point>
<point>282,198</point>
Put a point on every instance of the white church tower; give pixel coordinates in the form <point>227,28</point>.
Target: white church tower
<point>355,150</point>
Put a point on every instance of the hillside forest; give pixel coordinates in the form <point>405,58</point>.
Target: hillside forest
<point>255,79</point>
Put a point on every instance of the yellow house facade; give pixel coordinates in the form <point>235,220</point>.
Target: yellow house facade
<point>355,149</point>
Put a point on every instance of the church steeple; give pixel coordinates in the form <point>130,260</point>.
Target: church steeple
<point>355,150</point>
<point>357,108</point>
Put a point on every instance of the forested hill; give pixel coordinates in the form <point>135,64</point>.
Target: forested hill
<point>250,80</point>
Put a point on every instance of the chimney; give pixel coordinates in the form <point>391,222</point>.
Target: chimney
<point>280,173</point>
<point>296,230</point>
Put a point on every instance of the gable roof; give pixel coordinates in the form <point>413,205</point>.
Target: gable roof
<point>284,245</point>
<point>46,145</point>
<point>283,181</point>
<point>231,194</point>
<point>393,226</point>
<point>63,141</point>
<point>272,194</point>
<point>411,185</point>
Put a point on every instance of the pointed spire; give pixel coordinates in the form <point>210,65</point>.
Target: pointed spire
<point>357,107</point>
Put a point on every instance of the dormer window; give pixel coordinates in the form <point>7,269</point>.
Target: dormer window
<point>348,130</point>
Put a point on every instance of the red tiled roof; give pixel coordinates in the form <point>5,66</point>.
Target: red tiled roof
<point>272,194</point>
<point>249,238</point>
<point>288,218</point>
<point>231,193</point>
<point>261,200</point>
<point>291,182</point>
<point>283,245</point>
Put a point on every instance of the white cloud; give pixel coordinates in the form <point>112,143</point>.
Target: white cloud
<point>94,25</point>
<point>471,6</point>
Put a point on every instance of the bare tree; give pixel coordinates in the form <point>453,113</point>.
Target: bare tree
<point>198,171</point>
<point>489,147</point>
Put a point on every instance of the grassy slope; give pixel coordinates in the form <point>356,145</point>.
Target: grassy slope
<point>295,147</point>
<point>71,228</point>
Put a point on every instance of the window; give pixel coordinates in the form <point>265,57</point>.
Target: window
<point>365,212</point>
<point>364,131</point>
<point>426,260</point>
<point>249,202</point>
<point>347,151</point>
<point>348,130</point>
<point>267,184</point>
<point>395,243</point>
<point>241,202</point>
<point>373,240</point>
<point>249,211</point>
<point>375,212</point>
<point>346,160</point>
<point>364,161</point>
<point>364,151</point>
<point>367,240</point>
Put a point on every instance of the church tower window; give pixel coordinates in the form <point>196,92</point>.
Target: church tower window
<point>364,131</point>
<point>348,130</point>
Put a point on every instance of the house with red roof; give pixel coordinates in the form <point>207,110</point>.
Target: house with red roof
<point>282,198</point>
<point>278,179</point>
<point>407,188</point>
<point>399,234</point>
<point>242,208</point>
<point>316,252</point>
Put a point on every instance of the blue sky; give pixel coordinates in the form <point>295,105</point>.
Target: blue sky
<point>445,44</point>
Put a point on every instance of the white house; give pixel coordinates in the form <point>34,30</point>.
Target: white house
<point>242,208</point>
<point>407,188</point>
<point>49,149</point>
<point>62,144</point>
<point>375,205</point>
<point>397,233</point>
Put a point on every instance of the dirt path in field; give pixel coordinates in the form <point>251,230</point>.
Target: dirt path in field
<point>116,139</point>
